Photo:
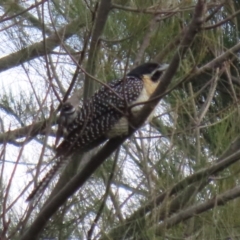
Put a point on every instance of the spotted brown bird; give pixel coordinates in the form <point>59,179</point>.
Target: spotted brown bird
<point>103,116</point>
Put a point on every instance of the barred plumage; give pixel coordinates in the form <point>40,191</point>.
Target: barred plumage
<point>103,116</point>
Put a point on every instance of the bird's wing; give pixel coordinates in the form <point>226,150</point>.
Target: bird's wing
<point>99,114</point>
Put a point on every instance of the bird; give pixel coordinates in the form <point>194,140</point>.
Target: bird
<point>103,116</point>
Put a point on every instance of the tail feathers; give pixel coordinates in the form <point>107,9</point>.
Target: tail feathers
<point>42,185</point>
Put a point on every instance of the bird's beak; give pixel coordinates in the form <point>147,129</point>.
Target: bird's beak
<point>163,67</point>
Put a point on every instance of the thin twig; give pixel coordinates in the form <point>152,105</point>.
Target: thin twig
<point>101,208</point>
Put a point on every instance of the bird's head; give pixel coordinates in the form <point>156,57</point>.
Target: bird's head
<point>151,70</point>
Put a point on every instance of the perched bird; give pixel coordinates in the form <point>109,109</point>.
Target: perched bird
<point>105,115</point>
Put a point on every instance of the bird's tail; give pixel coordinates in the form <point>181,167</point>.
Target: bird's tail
<point>41,186</point>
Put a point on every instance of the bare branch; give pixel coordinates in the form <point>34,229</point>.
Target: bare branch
<point>200,208</point>
<point>39,49</point>
<point>103,10</point>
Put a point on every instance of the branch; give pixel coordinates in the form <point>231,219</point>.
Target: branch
<point>197,209</point>
<point>146,41</point>
<point>203,110</point>
<point>216,62</point>
<point>41,48</point>
<point>71,187</point>
<point>29,131</point>
<point>100,21</point>
<point>151,10</point>
<point>15,7</point>
<point>101,208</point>
<point>223,21</point>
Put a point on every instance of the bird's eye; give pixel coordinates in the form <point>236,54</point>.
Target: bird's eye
<point>155,77</point>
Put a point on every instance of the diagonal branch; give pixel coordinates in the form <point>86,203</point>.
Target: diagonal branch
<point>200,208</point>
<point>29,131</point>
<point>41,48</point>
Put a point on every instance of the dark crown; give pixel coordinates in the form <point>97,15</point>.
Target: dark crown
<point>144,69</point>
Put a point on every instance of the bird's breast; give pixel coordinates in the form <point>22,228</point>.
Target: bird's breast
<point>119,129</point>
<point>122,126</point>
